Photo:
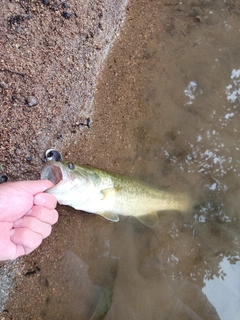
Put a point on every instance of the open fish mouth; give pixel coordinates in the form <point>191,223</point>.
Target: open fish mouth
<point>52,171</point>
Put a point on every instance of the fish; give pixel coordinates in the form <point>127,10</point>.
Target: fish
<point>110,194</point>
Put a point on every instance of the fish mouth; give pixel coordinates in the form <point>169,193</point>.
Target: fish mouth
<point>53,172</point>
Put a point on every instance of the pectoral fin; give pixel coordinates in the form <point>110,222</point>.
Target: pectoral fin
<point>109,216</point>
<point>108,192</point>
<point>150,219</point>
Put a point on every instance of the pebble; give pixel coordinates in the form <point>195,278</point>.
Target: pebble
<point>3,85</point>
<point>29,159</point>
<point>65,5</point>
<point>3,178</point>
<point>46,2</point>
<point>66,15</point>
<point>13,98</point>
<point>32,101</point>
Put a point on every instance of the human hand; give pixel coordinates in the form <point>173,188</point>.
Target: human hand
<point>26,216</point>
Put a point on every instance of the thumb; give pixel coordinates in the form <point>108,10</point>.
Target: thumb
<point>33,186</point>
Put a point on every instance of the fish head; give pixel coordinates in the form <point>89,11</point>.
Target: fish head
<point>73,185</point>
<point>57,171</point>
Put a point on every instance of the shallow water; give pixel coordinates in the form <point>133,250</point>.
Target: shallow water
<point>188,267</point>
<point>185,136</point>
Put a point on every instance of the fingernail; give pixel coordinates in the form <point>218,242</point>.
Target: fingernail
<point>17,222</point>
<point>40,199</point>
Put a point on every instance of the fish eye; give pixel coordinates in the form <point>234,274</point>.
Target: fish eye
<point>71,166</point>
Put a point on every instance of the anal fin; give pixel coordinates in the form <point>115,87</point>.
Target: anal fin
<point>150,219</point>
<point>109,216</point>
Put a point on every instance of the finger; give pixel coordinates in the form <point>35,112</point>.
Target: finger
<point>33,186</point>
<point>26,238</point>
<point>8,249</point>
<point>26,250</point>
<point>13,252</point>
<point>33,224</point>
<point>46,200</point>
<point>44,214</point>
<point>20,250</point>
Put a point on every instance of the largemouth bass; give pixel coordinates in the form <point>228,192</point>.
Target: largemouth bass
<point>109,194</point>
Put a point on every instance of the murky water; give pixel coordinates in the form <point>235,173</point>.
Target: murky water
<point>185,136</point>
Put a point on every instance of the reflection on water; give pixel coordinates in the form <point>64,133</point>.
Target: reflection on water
<point>188,267</point>
<point>224,286</point>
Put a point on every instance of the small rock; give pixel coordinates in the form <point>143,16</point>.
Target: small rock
<point>29,159</point>
<point>3,85</point>
<point>65,5</point>
<point>13,98</point>
<point>3,178</point>
<point>66,15</point>
<point>46,2</point>
<point>32,101</point>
